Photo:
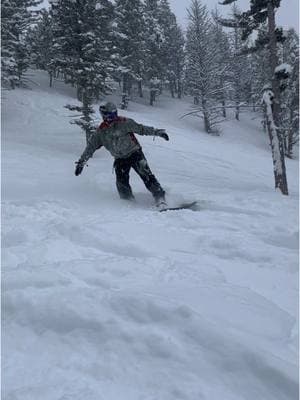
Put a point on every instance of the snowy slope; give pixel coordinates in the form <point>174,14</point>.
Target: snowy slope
<point>104,299</point>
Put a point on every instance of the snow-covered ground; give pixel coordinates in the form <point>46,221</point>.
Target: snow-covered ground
<point>108,300</point>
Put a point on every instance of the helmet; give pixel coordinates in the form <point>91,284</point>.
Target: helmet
<point>108,111</point>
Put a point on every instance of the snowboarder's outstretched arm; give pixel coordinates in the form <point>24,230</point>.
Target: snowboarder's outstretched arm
<point>140,129</point>
<point>93,144</point>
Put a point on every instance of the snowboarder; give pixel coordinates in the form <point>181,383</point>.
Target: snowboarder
<point>117,135</point>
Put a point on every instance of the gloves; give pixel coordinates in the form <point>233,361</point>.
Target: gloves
<point>79,167</point>
<point>162,133</point>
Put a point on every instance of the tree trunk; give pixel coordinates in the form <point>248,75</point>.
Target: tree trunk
<point>291,134</point>
<point>237,110</point>
<point>264,121</point>
<point>223,97</point>
<point>290,144</point>
<point>274,133</point>
<point>179,93</point>
<point>277,152</point>
<point>50,79</point>
<point>172,89</point>
<point>124,101</point>
<point>125,83</point>
<point>130,87</point>
<point>224,108</point>
<point>140,88</point>
<point>125,90</point>
<point>206,117</point>
<point>152,96</point>
<point>160,88</point>
<point>175,86</point>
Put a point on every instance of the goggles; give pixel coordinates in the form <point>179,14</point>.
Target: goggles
<point>109,115</point>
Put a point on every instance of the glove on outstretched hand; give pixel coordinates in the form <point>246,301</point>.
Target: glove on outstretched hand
<point>79,167</point>
<point>162,133</point>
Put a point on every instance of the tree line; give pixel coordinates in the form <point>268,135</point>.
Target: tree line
<point>91,44</point>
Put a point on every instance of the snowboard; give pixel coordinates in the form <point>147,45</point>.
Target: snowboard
<point>184,206</point>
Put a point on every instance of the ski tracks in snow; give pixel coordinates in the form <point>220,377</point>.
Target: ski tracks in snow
<point>104,300</point>
<point>143,303</point>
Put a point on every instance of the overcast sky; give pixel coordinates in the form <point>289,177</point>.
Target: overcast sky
<point>288,13</point>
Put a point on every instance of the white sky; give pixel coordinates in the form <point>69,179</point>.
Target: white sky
<point>288,13</point>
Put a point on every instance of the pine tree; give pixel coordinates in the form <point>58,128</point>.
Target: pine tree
<point>260,66</point>
<point>201,65</point>
<point>241,66</point>
<point>41,41</point>
<point>223,61</point>
<point>154,38</point>
<point>16,18</point>
<point>8,38</point>
<point>179,60</point>
<point>84,49</point>
<point>129,43</point>
<point>172,49</point>
<point>241,73</point>
<point>83,43</point>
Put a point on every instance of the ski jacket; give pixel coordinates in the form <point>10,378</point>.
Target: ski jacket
<point>117,137</point>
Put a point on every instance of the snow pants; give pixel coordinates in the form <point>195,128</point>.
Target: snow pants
<point>139,163</point>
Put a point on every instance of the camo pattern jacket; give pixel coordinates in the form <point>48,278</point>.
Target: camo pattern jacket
<point>117,137</point>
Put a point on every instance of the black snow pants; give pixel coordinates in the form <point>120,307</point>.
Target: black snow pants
<point>139,163</point>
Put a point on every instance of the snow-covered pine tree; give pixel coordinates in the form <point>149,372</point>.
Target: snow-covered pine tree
<point>289,57</point>
<point>260,12</point>
<point>201,63</point>
<point>223,60</point>
<point>83,43</point>
<point>172,49</point>
<point>84,50</point>
<point>154,37</point>
<point>129,43</point>
<point>178,59</point>
<point>42,50</point>
<point>240,66</point>
<point>8,44</point>
<point>16,18</point>
<point>261,73</point>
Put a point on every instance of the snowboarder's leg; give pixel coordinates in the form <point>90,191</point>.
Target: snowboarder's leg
<point>140,165</point>
<point>122,168</point>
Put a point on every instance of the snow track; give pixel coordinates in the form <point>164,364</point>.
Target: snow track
<point>104,299</point>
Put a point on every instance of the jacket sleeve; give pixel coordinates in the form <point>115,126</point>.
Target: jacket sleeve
<point>93,144</point>
<point>140,129</point>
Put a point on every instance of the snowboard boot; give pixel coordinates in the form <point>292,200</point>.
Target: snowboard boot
<point>161,203</point>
